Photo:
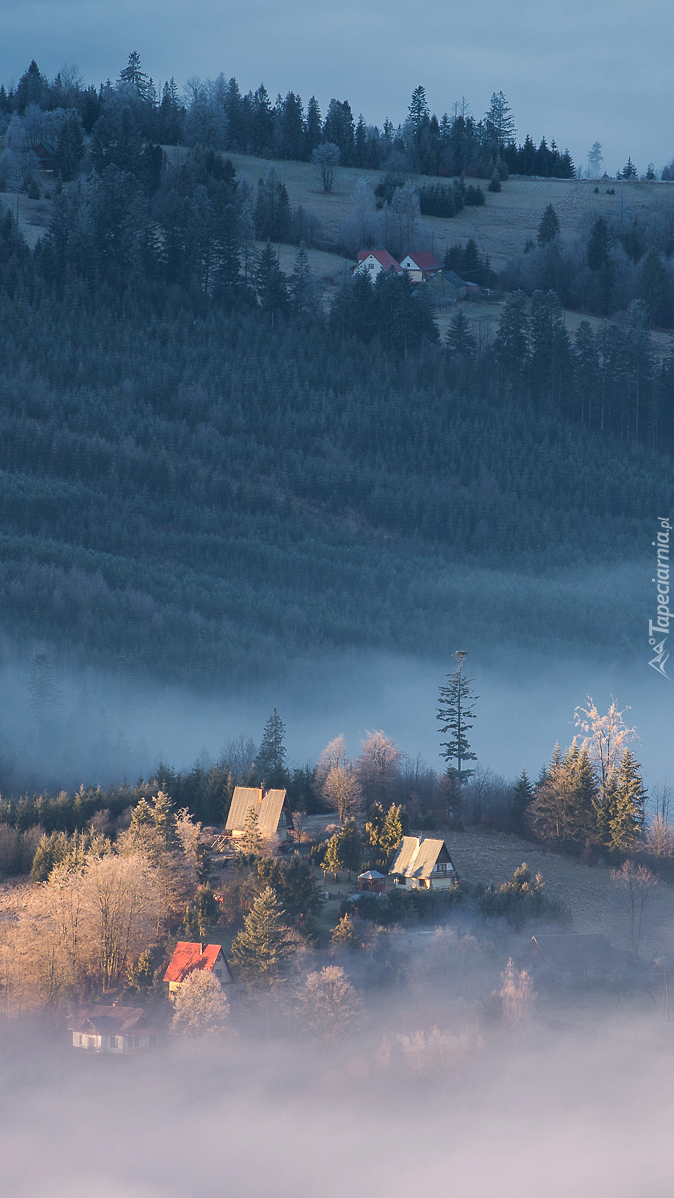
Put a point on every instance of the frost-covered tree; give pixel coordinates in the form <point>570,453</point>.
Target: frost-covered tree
<point>200,1007</point>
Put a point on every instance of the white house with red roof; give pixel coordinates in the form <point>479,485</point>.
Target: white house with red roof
<point>189,956</point>
<point>372,262</point>
<point>420,265</point>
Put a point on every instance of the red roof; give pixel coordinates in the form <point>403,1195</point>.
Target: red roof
<point>383,258</point>
<point>424,259</point>
<point>188,957</point>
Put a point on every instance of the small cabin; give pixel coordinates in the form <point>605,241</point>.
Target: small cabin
<point>423,863</point>
<point>274,817</point>
<point>189,956</point>
<point>421,265</point>
<point>46,156</point>
<point>372,262</point>
<point>122,1031</point>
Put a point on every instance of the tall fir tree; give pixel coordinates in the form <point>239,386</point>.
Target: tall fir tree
<point>456,715</point>
<point>271,756</point>
<point>262,948</point>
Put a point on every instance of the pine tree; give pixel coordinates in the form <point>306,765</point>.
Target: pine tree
<point>455,715</point>
<point>271,756</point>
<point>512,341</point>
<point>548,228</point>
<point>250,840</point>
<point>418,111</point>
<point>140,975</point>
<point>344,935</point>
<point>460,336</point>
<point>270,283</point>
<point>313,129</point>
<point>134,77</point>
<point>332,857</point>
<point>262,948</point>
<point>302,287</point>
<point>350,847</point>
<point>522,796</point>
<point>70,148</point>
<point>627,822</point>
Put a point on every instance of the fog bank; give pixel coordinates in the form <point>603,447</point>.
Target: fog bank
<point>577,1109</point>
<point>106,726</point>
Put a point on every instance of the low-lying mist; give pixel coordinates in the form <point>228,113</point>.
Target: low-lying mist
<point>581,1105</point>
<point>98,727</point>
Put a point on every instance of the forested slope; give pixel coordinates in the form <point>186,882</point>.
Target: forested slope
<point>210,496</point>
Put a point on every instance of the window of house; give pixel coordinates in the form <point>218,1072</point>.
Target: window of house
<point>218,973</point>
<point>113,1042</point>
<point>402,881</point>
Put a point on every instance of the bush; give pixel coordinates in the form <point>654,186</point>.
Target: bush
<point>519,900</point>
<point>437,199</point>
<point>474,197</point>
<point>403,906</point>
<point>495,184</point>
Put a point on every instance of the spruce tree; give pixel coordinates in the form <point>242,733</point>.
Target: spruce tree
<point>522,796</point>
<point>271,756</point>
<point>548,228</point>
<point>262,948</point>
<point>344,935</point>
<point>250,840</point>
<point>333,861</point>
<point>350,847</point>
<point>455,715</point>
<point>460,335</point>
<point>270,283</point>
<point>627,821</point>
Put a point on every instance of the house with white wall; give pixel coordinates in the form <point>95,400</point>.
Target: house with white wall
<point>421,265</point>
<point>189,956</point>
<point>423,863</point>
<point>373,262</point>
<point>122,1031</point>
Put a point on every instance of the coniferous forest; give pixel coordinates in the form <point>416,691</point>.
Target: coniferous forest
<point>206,469</point>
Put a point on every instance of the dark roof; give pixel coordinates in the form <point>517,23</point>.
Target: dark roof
<point>110,1021</point>
<point>424,259</point>
<point>454,280</point>
<point>571,950</point>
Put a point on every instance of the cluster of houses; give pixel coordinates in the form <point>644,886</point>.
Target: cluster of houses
<point>422,267</point>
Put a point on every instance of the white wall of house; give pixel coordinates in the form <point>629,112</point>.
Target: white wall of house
<point>369,266</point>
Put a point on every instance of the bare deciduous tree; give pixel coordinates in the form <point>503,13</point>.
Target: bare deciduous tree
<point>379,766</point>
<point>636,885</point>
<point>517,994</point>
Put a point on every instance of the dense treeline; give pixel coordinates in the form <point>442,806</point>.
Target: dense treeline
<point>199,480</point>
<point>215,114</point>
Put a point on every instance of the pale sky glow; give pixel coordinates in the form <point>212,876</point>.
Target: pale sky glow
<point>578,72</point>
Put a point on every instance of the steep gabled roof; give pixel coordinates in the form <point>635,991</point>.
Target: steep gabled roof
<point>269,805</point>
<point>417,856</point>
<point>383,258</point>
<point>110,1021</point>
<point>424,259</point>
<point>454,280</point>
<point>190,955</point>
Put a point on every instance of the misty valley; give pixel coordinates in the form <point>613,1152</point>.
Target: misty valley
<point>336,815</point>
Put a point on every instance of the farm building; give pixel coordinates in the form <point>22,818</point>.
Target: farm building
<point>274,817</point>
<point>423,864</point>
<point>191,955</point>
<point>123,1031</point>
<point>372,262</point>
<point>420,265</point>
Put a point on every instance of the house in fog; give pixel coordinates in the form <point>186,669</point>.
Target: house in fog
<point>189,956</point>
<point>123,1031</point>
<point>274,817</point>
<point>421,265</point>
<point>581,953</point>
<point>372,262</point>
<point>422,863</point>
